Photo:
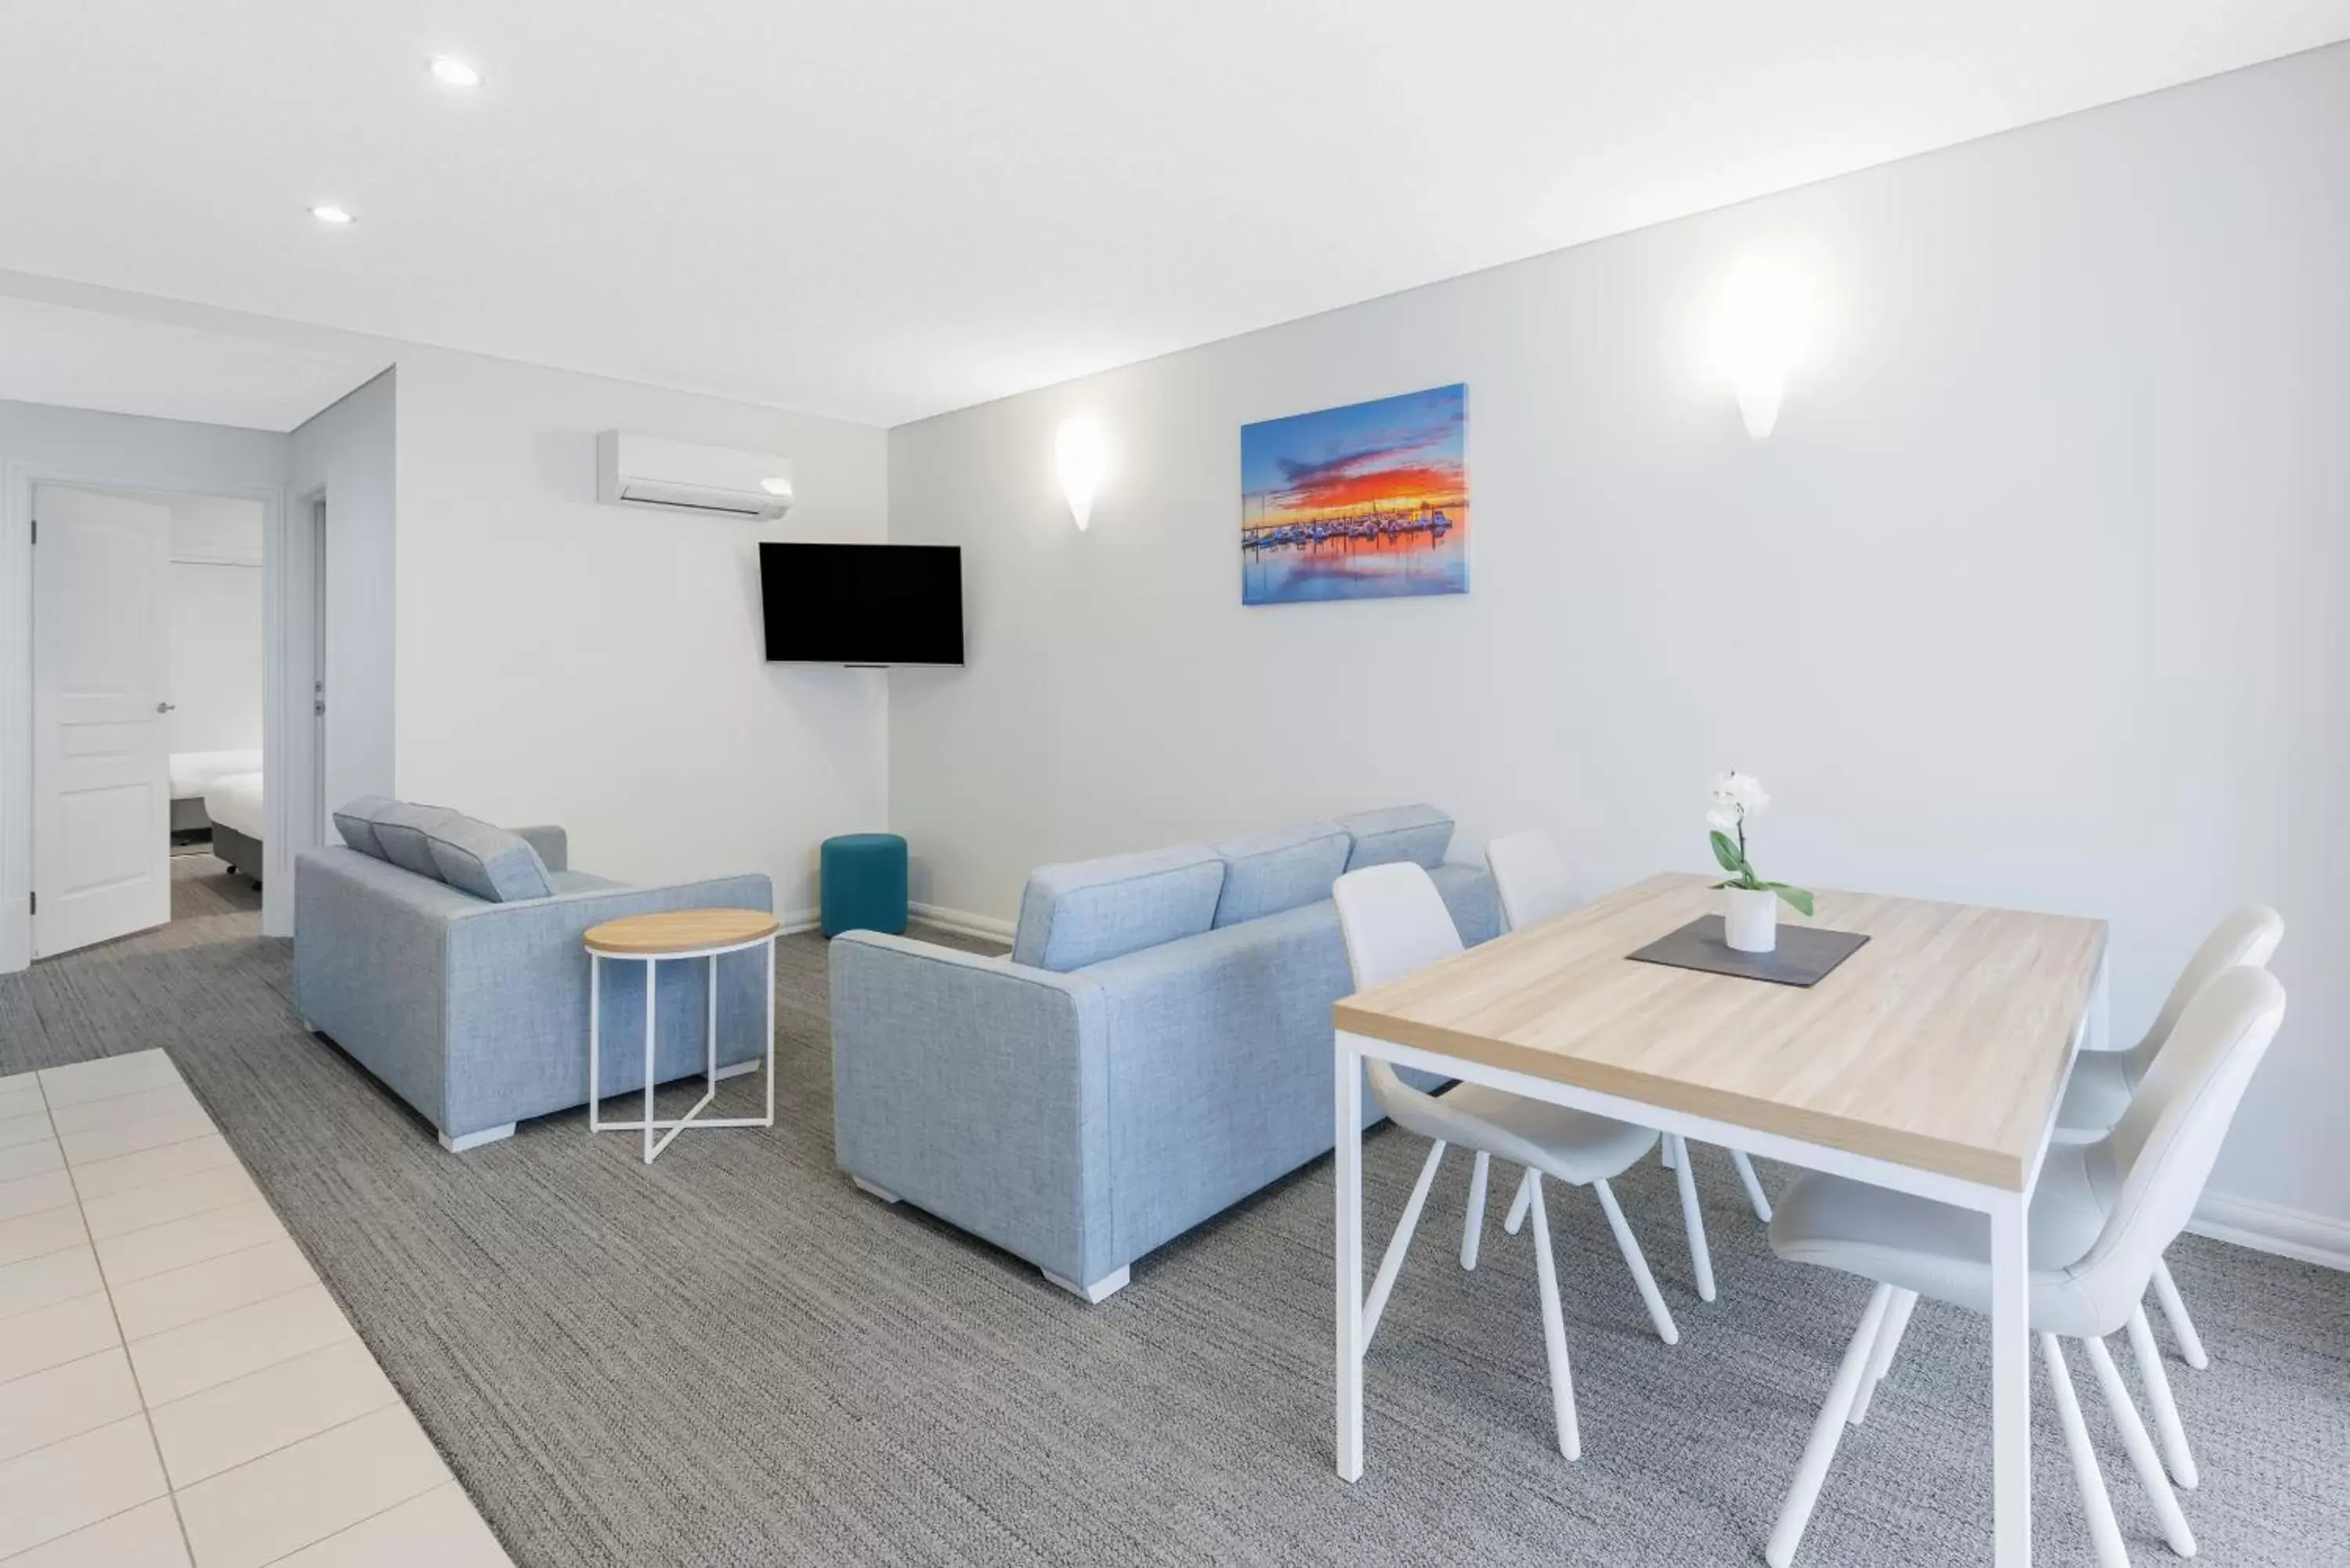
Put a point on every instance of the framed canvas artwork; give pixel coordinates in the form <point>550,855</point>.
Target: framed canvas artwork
<point>1365,502</point>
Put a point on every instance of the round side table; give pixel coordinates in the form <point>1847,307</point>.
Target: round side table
<point>675,934</point>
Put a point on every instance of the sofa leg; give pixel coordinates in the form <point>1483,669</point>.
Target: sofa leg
<point>464,1141</point>
<point>1101,1290</point>
<point>883,1193</point>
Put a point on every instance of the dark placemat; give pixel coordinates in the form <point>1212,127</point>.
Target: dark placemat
<point>1805,954</point>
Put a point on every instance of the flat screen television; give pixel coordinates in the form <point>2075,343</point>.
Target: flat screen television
<point>862,604</point>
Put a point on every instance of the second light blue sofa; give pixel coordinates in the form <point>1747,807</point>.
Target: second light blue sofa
<point>1156,1047</point>
<point>444,955</point>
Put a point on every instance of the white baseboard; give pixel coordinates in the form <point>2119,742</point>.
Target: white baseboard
<point>2271,1228</point>
<point>962,920</point>
<point>793,922</point>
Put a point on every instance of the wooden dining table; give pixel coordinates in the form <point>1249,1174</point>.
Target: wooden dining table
<point>1930,1061</point>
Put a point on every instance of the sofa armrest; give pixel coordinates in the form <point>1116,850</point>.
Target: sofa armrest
<point>554,845</point>
<point>369,970</point>
<point>977,1089</point>
<point>1472,899</point>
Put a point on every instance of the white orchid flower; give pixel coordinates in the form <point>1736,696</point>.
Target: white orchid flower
<point>1740,795</point>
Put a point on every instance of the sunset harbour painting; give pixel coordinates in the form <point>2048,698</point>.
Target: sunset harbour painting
<point>1367,502</point>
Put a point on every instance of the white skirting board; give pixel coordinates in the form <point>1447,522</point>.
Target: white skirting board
<point>963,920</point>
<point>2271,1228</point>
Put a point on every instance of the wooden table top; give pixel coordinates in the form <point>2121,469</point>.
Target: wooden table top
<point>1941,1044</point>
<point>680,931</point>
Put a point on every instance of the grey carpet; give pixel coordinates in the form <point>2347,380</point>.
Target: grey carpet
<point>733,1358</point>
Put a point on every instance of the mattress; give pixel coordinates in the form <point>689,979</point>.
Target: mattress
<point>235,801</point>
<point>192,772</point>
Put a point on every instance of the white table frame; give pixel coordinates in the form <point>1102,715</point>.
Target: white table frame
<point>670,1127</point>
<point>2009,1211</point>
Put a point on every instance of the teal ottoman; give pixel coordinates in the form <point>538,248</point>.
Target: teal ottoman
<point>863,880</point>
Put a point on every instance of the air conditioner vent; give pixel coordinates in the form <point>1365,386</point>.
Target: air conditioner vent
<point>677,476</point>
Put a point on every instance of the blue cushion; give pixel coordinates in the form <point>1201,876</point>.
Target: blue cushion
<point>1419,834</point>
<point>400,827</point>
<point>355,820</point>
<point>1081,913</point>
<point>475,856</point>
<point>1279,868</point>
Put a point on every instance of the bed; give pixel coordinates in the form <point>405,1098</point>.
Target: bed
<point>193,773</point>
<point>233,802</point>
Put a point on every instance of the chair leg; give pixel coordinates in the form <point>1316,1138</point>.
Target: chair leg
<point>1561,1379</point>
<point>2182,1327</point>
<point>2140,1447</point>
<point>2103,1530</point>
<point>1692,1220</point>
<point>1517,1215</point>
<point>1753,1183</point>
<point>1391,1264</point>
<point>1473,1226</point>
<point>1638,1263</point>
<point>1803,1492</point>
<point>2178,1458</point>
<point>1880,1356</point>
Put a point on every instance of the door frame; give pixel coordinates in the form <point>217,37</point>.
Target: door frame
<point>286,717</point>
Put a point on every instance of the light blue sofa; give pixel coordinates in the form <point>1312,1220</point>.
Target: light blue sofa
<point>1156,1047</point>
<point>444,955</point>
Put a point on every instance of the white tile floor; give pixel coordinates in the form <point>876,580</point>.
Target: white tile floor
<point>176,1386</point>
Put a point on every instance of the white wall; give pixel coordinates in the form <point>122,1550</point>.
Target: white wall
<point>2034,598</point>
<point>39,443</point>
<point>603,667</point>
<point>216,624</point>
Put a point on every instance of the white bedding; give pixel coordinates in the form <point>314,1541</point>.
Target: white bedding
<point>234,801</point>
<point>192,772</point>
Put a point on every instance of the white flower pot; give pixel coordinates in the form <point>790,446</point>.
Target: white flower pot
<point>1750,920</point>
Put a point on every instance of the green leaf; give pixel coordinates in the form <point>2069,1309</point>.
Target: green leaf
<point>1727,853</point>
<point>1794,895</point>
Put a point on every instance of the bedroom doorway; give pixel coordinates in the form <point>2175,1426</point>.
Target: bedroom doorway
<point>149,656</point>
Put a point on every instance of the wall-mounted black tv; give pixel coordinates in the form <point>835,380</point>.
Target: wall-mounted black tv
<point>862,604</point>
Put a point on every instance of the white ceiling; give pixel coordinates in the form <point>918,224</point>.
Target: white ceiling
<point>94,359</point>
<point>882,210</point>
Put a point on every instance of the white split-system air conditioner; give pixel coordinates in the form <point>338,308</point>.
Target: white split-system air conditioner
<point>646,471</point>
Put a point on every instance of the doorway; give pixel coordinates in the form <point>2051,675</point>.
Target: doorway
<point>150,788</point>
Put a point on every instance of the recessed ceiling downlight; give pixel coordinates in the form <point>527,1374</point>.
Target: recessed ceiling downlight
<point>328,212</point>
<point>451,72</point>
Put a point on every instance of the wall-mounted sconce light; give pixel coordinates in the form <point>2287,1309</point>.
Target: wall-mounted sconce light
<point>1764,323</point>
<point>1083,458</point>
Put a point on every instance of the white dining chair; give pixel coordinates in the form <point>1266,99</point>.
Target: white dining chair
<point>1395,923</point>
<point>1530,876</point>
<point>2100,1217</point>
<point>2103,1081</point>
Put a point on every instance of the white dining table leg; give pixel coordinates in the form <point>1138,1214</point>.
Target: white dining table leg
<point>1349,1185</point>
<point>2011,1382</point>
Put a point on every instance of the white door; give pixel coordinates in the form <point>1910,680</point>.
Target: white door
<point>101,785</point>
